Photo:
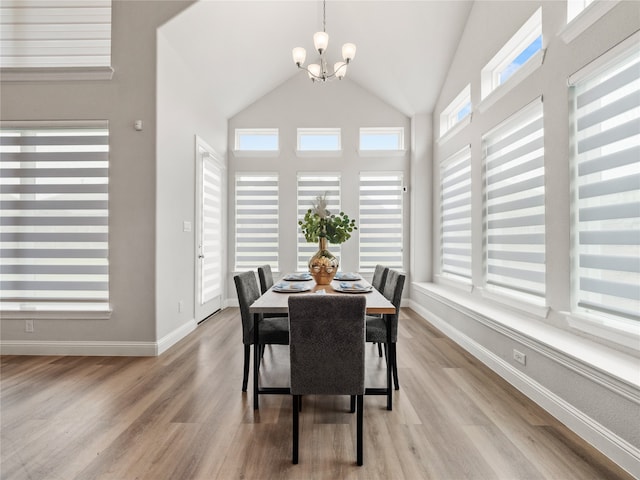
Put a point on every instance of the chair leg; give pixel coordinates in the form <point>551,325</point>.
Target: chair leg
<point>245,377</point>
<point>389,389</point>
<point>380,350</point>
<point>359,434</point>
<point>296,404</point>
<point>394,362</point>
<point>352,406</point>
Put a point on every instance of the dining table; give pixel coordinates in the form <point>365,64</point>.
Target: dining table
<point>276,300</point>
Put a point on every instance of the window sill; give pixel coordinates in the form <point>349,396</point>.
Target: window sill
<point>99,313</point>
<point>627,335</point>
<point>52,74</point>
<point>381,153</point>
<point>256,153</point>
<point>318,153</point>
<point>454,282</point>
<point>541,311</point>
<point>523,72</point>
<point>557,342</point>
<point>453,131</point>
<point>585,19</point>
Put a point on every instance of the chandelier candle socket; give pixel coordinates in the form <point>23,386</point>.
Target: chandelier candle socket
<point>320,71</point>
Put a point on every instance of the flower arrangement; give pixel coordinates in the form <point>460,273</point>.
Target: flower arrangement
<point>319,222</point>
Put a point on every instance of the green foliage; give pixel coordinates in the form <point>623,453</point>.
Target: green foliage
<point>336,228</point>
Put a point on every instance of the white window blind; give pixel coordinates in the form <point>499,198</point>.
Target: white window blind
<point>55,33</point>
<point>607,189</point>
<point>515,203</point>
<point>455,215</point>
<point>256,221</point>
<point>54,213</point>
<point>380,222</point>
<point>310,186</point>
<point>211,235</point>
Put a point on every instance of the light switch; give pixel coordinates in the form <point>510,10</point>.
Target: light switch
<point>186,226</point>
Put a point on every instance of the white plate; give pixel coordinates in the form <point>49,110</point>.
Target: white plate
<point>347,277</point>
<point>283,287</point>
<point>353,288</point>
<point>300,277</point>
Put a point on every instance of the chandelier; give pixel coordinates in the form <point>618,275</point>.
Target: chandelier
<point>319,71</point>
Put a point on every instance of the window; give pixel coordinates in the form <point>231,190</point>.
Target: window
<point>55,216</point>
<point>519,50</point>
<point>256,139</point>
<point>456,111</point>
<point>515,204</point>
<point>256,221</point>
<point>380,222</point>
<point>56,33</point>
<point>319,139</point>
<point>582,14</point>
<point>574,7</point>
<point>455,215</point>
<point>386,139</point>
<point>606,230</point>
<point>311,186</point>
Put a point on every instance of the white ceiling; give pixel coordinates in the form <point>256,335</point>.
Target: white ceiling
<point>242,49</point>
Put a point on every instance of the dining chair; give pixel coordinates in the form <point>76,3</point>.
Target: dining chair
<point>377,281</point>
<point>385,329</point>
<point>266,278</point>
<point>273,330</point>
<point>327,354</point>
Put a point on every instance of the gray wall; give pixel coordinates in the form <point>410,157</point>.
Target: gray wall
<point>129,96</point>
<point>587,385</point>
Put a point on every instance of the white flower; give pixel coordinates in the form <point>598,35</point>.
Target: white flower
<point>320,207</point>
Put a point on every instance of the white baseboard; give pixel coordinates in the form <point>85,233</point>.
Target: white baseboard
<point>97,349</point>
<point>616,448</point>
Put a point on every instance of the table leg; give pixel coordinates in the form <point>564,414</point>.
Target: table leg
<point>256,359</point>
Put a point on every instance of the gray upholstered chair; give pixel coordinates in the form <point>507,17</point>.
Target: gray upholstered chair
<point>266,277</point>
<point>273,330</point>
<point>327,353</point>
<point>377,281</point>
<point>385,329</point>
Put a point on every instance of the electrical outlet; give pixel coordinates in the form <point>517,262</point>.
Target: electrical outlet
<point>519,357</point>
<point>28,326</point>
<point>180,306</point>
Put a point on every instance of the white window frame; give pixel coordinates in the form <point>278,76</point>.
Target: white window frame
<point>449,122</point>
<point>66,44</point>
<point>456,200</point>
<point>508,155</point>
<point>69,228</point>
<point>581,19</point>
<point>397,150</point>
<point>303,152</point>
<point>259,216</point>
<point>603,322</point>
<point>490,87</point>
<point>256,152</point>
<point>380,233</point>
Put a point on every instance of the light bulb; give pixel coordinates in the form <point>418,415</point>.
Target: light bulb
<point>315,71</point>
<point>299,55</point>
<point>320,41</point>
<point>348,52</point>
<point>340,70</point>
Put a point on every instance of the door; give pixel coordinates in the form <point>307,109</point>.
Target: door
<point>209,230</point>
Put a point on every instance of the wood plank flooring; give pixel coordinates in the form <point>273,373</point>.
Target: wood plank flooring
<point>182,415</point>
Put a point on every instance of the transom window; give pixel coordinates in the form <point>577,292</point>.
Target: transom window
<point>54,245</point>
<point>382,138</point>
<point>456,111</point>
<point>521,48</point>
<point>256,139</point>
<point>319,139</point>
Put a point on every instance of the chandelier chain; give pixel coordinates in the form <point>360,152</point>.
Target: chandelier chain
<point>324,16</point>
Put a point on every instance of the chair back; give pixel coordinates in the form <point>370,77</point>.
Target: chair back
<point>327,334</point>
<point>393,292</point>
<point>379,277</point>
<point>266,278</point>
<point>248,292</point>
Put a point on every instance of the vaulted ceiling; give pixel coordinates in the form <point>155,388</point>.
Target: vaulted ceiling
<point>242,49</point>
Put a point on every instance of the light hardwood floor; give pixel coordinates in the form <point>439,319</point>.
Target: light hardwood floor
<point>182,415</point>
